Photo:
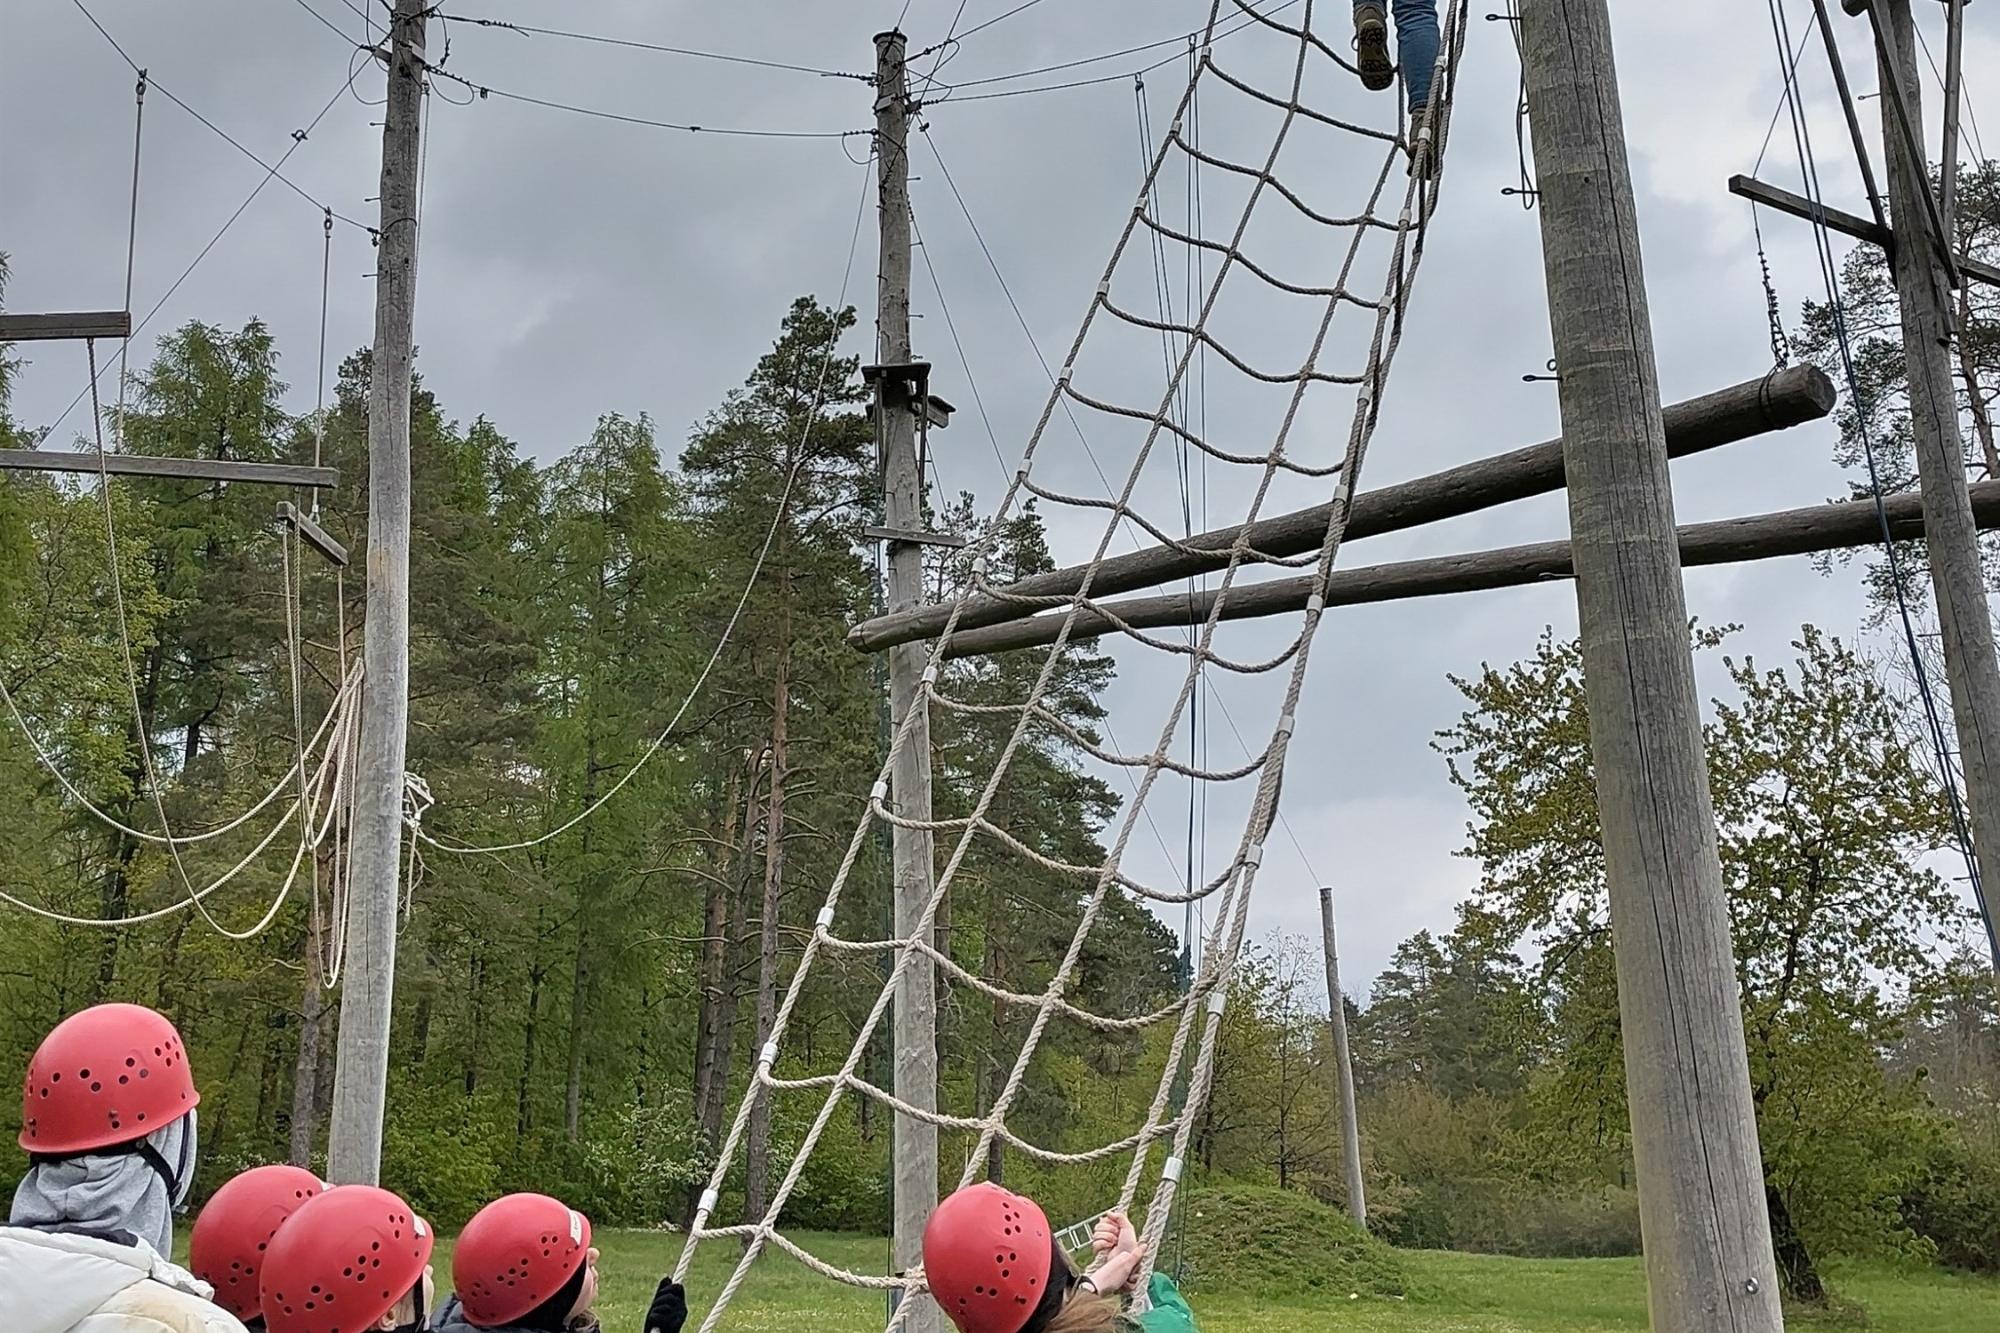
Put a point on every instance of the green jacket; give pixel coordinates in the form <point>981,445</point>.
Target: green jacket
<point>1170,1313</point>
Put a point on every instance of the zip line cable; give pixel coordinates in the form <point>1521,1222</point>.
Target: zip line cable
<point>1177,40</point>
<point>487,91</point>
<point>1837,312</point>
<point>270,168</point>
<point>530,30</point>
<point>659,742</point>
<point>299,138</point>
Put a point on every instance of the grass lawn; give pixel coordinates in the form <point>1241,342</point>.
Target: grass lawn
<point>1457,1294</point>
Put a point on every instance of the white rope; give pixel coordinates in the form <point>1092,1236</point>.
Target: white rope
<point>1193,1049</point>
<point>313,832</point>
<point>48,764</point>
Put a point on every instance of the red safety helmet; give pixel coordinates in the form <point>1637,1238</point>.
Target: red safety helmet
<point>342,1261</point>
<point>105,1076</point>
<point>227,1246</point>
<point>987,1256</point>
<point>516,1253</point>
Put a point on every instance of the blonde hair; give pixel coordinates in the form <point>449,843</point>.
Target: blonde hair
<point>1089,1312</point>
<point>1085,1312</point>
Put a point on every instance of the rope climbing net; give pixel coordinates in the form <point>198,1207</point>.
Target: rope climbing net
<point>1340,376</point>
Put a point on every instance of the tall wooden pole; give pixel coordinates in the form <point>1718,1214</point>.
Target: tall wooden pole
<point>1343,1064</point>
<point>915,1035</point>
<point>1694,1133</point>
<point>1950,532</point>
<point>361,1070</point>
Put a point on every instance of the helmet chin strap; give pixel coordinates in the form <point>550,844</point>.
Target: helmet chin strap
<point>177,1176</point>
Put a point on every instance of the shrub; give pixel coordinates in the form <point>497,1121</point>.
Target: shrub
<point>1276,1243</point>
<point>1956,1205</point>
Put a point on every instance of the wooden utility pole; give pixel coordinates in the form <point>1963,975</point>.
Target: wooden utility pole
<point>361,1068</point>
<point>1343,1067</point>
<point>1694,1132</point>
<point>1951,534</point>
<point>901,392</point>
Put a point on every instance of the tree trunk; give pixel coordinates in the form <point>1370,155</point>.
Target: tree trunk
<point>994,968</point>
<point>756,1186</point>
<point>524,1089</point>
<point>305,1071</point>
<point>716,1016</point>
<point>477,1043</point>
<point>579,1002</point>
<point>1795,1262</point>
<point>117,893</point>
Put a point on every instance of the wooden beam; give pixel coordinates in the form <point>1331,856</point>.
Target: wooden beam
<point>171,469</point>
<point>914,537</point>
<point>1773,402</point>
<point>48,328</point>
<point>1860,228</point>
<point>1807,531</point>
<point>313,534</point>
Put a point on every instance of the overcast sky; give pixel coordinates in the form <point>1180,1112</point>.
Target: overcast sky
<point>573,266</point>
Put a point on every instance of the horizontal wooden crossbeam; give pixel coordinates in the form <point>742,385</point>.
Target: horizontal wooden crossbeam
<point>313,534</point>
<point>915,538</point>
<point>1860,228</point>
<point>46,328</point>
<point>1806,531</point>
<point>1773,402</point>
<point>171,469</point>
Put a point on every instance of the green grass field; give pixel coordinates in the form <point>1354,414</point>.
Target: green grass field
<point>1456,1294</point>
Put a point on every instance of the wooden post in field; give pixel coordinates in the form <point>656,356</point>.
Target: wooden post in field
<point>1343,1068</point>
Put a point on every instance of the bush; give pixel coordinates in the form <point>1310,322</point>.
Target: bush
<point>1497,1216</point>
<point>636,1165</point>
<point>440,1152</point>
<point>1956,1205</point>
<point>1276,1243</point>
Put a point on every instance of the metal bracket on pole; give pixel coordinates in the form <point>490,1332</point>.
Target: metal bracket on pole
<point>945,539</point>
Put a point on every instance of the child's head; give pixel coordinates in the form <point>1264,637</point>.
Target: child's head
<point>525,1260</point>
<point>227,1247</point>
<point>994,1266</point>
<point>354,1260</point>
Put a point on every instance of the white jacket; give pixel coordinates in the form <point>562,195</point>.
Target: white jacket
<point>55,1283</point>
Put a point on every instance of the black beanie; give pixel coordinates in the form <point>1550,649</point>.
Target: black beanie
<point>552,1315</point>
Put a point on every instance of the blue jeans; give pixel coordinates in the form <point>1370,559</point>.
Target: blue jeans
<point>1416,45</point>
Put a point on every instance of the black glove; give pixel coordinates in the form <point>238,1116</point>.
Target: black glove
<point>670,1308</point>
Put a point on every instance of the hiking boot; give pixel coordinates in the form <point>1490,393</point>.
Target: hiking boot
<point>1371,45</point>
<point>1423,151</point>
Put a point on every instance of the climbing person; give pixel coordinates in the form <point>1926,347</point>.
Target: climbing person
<point>108,1123</point>
<point>994,1266</point>
<point>226,1248</point>
<point>354,1259</point>
<point>524,1264</point>
<point>1416,42</point>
